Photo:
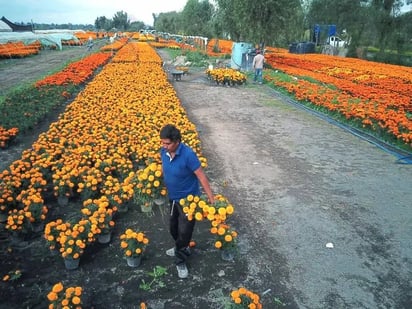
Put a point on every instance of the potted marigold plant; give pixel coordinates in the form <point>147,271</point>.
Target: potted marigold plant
<point>102,218</point>
<point>69,298</point>
<point>52,232</point>
<point>71,248</point>
<point>243,298</point>
<point>225,240</point>
<point>133,245</point>
<point>151,182</point>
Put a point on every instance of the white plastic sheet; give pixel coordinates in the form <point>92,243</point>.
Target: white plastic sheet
<point>45,39</point>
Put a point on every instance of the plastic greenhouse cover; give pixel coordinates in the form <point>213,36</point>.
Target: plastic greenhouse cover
<point>45,39</point>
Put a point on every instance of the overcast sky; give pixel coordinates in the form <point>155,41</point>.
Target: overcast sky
<point>84,11</point>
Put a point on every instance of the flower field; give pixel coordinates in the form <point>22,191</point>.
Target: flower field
<point>369,95</point>
<point>91,155</point>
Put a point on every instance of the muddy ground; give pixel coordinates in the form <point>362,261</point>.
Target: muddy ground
<point>298,182</point>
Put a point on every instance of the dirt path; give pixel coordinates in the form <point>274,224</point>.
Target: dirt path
<point>298,183</point>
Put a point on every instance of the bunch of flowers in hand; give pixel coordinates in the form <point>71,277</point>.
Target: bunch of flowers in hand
<point>195,206</point>
<point>243,298</point>
<point>133,243</point>
<point>225,236</point>
<point>198,207</point>
<point>61,298</point>
<point>220,210</point>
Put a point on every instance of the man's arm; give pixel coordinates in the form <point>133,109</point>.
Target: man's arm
<point>200,174</point>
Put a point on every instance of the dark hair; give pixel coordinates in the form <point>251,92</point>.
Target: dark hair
<point>169,131</point>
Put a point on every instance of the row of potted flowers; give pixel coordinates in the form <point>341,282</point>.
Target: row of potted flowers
<point>226,76</point>
<point>71,297</point>
<point>97,160</point>
<point>103,157</point>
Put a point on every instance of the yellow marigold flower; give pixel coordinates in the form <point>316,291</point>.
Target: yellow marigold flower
<point>230,209</point>
<point>52,296</point>
<point>199,216</point>
<point>221,231</point>
<point>235,294</point>
<point>78,290</point>
<point>222,211</point>
<point>58,287</point>
<point>76,300</point>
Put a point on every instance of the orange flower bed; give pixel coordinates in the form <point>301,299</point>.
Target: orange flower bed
<point>6,136</point>
<point>115,46</point>
<point>77,72</point>
<point>89,153</point>
<point>18,49</point>
<point>223,47</point>
<point>379,95</point>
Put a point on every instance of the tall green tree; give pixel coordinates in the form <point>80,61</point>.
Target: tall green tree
<point>265,21</point>
<point>103,23</point>
<point>121,21</point>
<point>197,18</point>
<point>384,13</point>
<point>169,22</point>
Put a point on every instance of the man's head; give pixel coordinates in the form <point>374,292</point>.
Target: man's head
<point>257,51</point>
<point>170,137</point>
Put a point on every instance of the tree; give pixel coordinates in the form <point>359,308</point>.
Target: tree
<point>267,21</point>
<point>120,21</point>
<point>196,18</point>
<point>137,26</point>
<point>169,22</point>
<point>103,23</point>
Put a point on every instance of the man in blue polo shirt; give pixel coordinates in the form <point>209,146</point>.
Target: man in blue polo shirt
<point>182,173</point>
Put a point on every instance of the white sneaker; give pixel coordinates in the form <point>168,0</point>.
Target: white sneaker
<point>182,271</point>
<point>170,252</point>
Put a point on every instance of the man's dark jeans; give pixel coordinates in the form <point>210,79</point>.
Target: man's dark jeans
<point>181,230</point>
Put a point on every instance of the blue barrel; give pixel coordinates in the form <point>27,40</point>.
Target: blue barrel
<point>239,49</point>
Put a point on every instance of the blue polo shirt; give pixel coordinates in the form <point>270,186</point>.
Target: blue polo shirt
<point>178,173</point>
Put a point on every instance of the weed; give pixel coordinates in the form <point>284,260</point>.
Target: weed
<point>156,274</point>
